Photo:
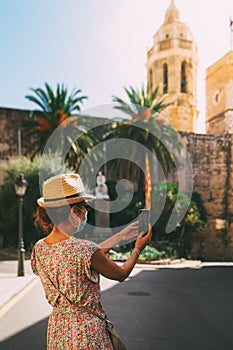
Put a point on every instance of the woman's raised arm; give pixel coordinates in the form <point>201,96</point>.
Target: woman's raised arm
<point>109,269</point>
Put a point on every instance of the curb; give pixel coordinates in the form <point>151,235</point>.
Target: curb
<point>161,262</point>
<point>169,264</point>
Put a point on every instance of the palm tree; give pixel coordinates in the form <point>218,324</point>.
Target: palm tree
<point>54,108</point>
<point>141,102</point>
<point>147,127</point>
<point>50,102</point>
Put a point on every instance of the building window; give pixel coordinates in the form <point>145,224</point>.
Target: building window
<point>216,97</point>
<point>165,78</point>
<point>183,87</point>
<point>150,80</point>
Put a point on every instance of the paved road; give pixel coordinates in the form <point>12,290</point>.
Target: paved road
<point>165,309</point>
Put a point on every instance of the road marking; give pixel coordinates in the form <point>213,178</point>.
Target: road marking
<point>6,307</point>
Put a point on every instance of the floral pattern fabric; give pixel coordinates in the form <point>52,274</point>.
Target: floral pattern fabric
<point>72,288</point>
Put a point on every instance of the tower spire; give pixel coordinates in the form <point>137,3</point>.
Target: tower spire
<point>172,13</point>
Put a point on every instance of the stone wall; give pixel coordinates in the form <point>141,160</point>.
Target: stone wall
<point>216,125</point>
<point>11,120</point>
<point>212,159</point>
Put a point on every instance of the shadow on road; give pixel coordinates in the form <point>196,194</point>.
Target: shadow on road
<point>165,309</point>
<point>33,337</point>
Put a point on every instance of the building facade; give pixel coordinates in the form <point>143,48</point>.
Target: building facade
<point>219,96</point>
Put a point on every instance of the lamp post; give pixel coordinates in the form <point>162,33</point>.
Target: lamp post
<point>20,189</point>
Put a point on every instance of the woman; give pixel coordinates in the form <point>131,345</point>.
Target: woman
<point>69,268</point>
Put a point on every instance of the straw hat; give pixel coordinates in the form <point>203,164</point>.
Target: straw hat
<point>63,189</point>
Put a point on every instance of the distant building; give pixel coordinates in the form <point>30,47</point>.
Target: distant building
<point>219,96</point>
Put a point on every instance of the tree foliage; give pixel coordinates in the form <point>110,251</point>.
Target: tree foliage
<point>142,102</point>
<point>53,108</point>
<point>9,200</point>
<point>193,221</point>
<point>147,127</point>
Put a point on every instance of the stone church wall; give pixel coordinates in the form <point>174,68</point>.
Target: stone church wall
<point>212,159</point>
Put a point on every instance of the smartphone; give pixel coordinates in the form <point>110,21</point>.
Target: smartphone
<point>144,219</point>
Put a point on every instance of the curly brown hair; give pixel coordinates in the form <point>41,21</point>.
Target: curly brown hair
<point>43,221</point>
<point>47,218</point>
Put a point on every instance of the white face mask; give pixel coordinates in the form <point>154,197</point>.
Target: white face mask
<point>82,224</point>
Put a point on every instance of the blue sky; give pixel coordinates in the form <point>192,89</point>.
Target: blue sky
<point>98,46</point>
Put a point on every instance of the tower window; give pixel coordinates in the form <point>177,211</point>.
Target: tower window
<point>183,87</point>
<point>165,78</point>
<point>150,77</point>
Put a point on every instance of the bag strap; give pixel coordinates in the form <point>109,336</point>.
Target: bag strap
<point>82,308</point>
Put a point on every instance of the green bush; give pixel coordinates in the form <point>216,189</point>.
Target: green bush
<point>149,253</point>
<point>193,221</point>
<point>9,200</point>
<point>167,246</point>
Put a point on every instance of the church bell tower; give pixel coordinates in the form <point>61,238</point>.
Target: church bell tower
<point>172,65</point>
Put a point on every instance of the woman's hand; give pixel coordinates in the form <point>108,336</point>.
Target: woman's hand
<point>129,232</point>
<point>143,241</point>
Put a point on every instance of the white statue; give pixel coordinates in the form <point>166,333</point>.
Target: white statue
<point>101,190</point>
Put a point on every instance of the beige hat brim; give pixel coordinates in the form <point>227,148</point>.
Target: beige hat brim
<point>61,202</point>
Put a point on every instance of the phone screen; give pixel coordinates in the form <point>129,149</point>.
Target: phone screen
<point>144,219</point>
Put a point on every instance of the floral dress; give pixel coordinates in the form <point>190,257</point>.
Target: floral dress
<point>72,288</point>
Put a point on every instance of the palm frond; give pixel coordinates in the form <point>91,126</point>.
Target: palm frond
<point>36,101</point>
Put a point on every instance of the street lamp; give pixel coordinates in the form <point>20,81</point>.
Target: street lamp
<point>20,189</point>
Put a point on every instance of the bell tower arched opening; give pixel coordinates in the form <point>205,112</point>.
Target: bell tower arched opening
<point>165,78</point>
<point>183,78</point>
